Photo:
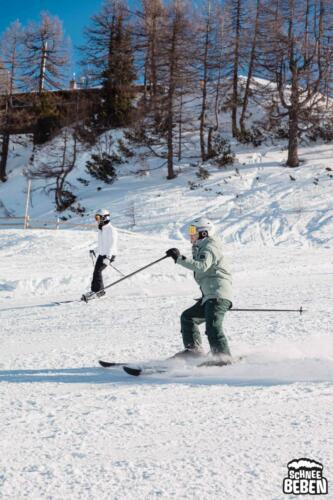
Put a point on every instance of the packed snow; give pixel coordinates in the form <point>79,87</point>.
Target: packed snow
<point>73,430</point>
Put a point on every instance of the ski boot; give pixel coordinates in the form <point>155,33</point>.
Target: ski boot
<point>188,354</point>
<point>92,295</point>
<point>88,296</point>
<point>218,359</point>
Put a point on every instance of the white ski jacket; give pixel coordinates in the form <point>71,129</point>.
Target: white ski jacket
<point>107,241</point>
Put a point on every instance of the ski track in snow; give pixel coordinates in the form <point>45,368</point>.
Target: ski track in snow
<point>70,429</point>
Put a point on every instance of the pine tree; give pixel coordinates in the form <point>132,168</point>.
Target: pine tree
<point>148,44</point>
<point>252,37</point>
<point>45,57</point>
<point>237,7</point>
<point>109,55</point>
<point>10,52</point>
<point>210,58</point>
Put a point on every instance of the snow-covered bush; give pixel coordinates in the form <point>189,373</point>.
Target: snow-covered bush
<point>48,119</point>
<point>193,186</point>
<point>102,167</point>
<point>126,151</point>
<point>221,151</point>
<point>202,173</point>
<point>66,199</point>
<point>323,132</point>
<point>251,136</point>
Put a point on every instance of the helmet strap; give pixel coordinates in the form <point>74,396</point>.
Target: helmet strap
<point>202,235</point>
<point>102,223</point>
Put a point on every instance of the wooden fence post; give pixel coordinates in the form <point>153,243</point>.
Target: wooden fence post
<point>26,215</point>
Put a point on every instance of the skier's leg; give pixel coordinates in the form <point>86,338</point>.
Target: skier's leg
<point>97,281</point>
<point>215,310</point>
<point>190,319</point>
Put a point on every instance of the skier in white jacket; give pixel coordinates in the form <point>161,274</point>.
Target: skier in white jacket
<point>107,249</point>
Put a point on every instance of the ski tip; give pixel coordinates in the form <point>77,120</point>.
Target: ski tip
<point>132,371</point>
<point>106,364</point>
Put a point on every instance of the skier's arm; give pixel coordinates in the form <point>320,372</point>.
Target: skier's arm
<point>112,243</point>
<point>205,261</point>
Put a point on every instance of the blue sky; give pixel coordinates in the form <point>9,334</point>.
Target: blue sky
<point>74,15</point>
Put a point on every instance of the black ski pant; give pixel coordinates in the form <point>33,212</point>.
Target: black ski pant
<point>97,281</point>
<point>212,313</point>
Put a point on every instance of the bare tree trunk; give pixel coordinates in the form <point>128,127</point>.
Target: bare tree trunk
<point>170,101</point>
<point>210,142</point>
<point>204,90</point>
<point>153,59</point>
<point>4,156</point>
<point>41,79</point>
<point>5,143</point>
<point>217,92</point>
<point>145,81</point>
<point>180,128</point>
<point>171,173</point>
<point>250,71</point>
<point>293,160</point>
<point>152,15</point>
<point>235,70</point>
<point>294,108</point>
<point>293,114</point>
<point>67,165</point>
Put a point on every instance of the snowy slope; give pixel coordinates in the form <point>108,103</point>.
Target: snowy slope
<point>257,202</point>
<point>72,430</point>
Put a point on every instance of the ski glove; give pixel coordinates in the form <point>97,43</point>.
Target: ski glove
<point>106,261</point>
<point>113,258</point>
<point>174,253</point>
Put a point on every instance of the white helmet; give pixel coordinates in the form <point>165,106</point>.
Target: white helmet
<point>203,227</point>
<point>102,215</point>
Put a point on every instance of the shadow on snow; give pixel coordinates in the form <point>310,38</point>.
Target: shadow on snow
<point>96,375</point>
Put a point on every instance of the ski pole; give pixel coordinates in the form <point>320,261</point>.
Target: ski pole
<point>133,273</point>
<point>92,255</point>
<point>113,267</point>
<point>300,310</point>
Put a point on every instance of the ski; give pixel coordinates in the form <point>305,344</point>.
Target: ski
<point>145,366</point>
<point>109,364</point>
<point>145,370</point>
<point>136,371</point>
<point>59,302</point>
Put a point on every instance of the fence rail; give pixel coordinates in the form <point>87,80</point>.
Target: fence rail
<point>32,223</point>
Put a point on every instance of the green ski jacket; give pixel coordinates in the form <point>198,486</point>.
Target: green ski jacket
<point>211,270</point>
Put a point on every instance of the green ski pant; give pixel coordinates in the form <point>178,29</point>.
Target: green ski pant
<point>212,312</point>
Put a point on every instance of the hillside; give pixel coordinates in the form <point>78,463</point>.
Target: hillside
<point>256,199</point>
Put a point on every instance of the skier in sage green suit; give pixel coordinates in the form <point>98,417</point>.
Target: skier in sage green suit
<point>211,272</point>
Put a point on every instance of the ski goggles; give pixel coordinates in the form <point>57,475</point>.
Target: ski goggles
<point>192,230</point>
